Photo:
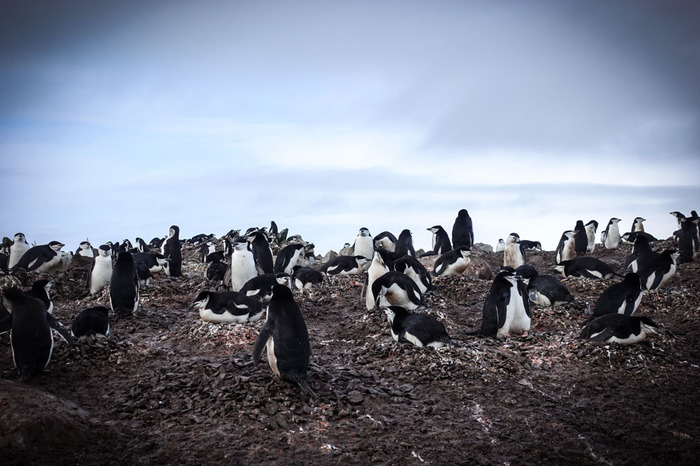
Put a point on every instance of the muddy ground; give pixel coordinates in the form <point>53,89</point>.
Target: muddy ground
<point>170,389</point>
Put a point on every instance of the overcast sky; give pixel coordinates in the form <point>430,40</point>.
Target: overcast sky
<point>120,118</point>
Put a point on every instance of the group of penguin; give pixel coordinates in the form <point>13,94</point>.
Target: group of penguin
<point>395,282</point>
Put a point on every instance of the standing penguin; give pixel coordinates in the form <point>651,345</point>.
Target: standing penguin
<point>364,244</point>
<point>513,255</point>
<point>610,237</point>
<point>376,269</point>
<point>501,245</point>
<point>31,337</point>
<point>288,257</point>
<point>687,239</point>
<point>42,258</point>
<point>462,231</point>
<point>441,241</point>
<point>404,245</point>
<point>581,238</point>
<point>124,286</point>
<point>242,264</point>
<point>85,250</point>
<point>172,251</point>
<point>261,251</point>
<point>620,298</point>
<point>566,249</point>
<point>100,269</point>
<point>419,329</point>
<point>17,249</point>
<point>591,228</point>
<point>287,340</point>
<point>637,224</point>
<point>506,308</point>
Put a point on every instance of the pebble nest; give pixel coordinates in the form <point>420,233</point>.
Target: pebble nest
<point>169,388</point>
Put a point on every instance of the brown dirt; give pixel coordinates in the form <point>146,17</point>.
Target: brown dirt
<point>170,389</point>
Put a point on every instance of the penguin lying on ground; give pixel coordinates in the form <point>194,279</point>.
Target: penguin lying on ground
<point>227,307</point>
<point>345,265</point>
<point>544,290</point>
<point>287,340</point>
<point>305,278</point>
<point>31,337</point>
<point>453,262</point>
<point>619,328</point>
<point>620,298</point>
<point>586,267</point>
<point>92,321</point>
<point>418,329</point>
<point>40,259</point>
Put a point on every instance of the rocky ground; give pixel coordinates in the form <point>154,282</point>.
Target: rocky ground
<point>170,389</point>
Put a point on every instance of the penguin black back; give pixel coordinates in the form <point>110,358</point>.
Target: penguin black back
<point>287,339</point>
<point>31,338</point>
<point>172,250</point>
<point>462,231</point>
<point>404,245</point>
<point>124,286</point>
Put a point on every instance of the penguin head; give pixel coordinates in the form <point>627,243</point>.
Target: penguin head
<point>56,245</point>
<point>281,293</point>
<point>20,238</point>
<point>513,238</point>
<point>174,232</point>
<point>364,232</point>
<point>200,302</point>
<point>394,312</point>
<point>283,279</point>
<point>592,225</point>
<point>647,325</point>
<point>14,299</point>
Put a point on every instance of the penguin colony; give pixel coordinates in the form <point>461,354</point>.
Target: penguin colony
<point>263,268</point>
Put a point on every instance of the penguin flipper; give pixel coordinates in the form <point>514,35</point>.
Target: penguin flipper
<point>261,342</point>
<point>60,329</point>
<point>603,335</point>
<point>6,324</point>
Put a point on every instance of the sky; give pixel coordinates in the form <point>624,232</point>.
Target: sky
<point>121,118</point>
